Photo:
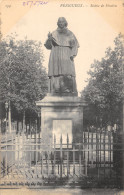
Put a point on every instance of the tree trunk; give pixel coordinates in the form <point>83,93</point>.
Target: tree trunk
<point>23,123</point>
<point>17,130</point>
<point>9,118</point>
<point>30,125</point>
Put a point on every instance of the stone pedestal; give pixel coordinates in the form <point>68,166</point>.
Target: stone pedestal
<point>61,115</point>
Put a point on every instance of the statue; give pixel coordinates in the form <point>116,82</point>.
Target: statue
<point>61,70</point>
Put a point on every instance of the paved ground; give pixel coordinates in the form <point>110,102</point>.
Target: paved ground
<point>61,191</point>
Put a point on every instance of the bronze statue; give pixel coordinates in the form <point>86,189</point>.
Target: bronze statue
<point>64,47</point>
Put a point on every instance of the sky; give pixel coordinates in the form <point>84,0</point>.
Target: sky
<point>93,32</point>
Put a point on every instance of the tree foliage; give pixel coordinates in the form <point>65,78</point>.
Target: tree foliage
<point>23,79</point>
<point>104,92</point>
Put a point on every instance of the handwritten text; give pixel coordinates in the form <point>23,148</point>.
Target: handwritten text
<point>32,3</point>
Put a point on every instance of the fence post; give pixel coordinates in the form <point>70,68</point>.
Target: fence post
<point>88,146</point>
<point>54,153</point>
<point>30,154</point>
<point>92,149</point>
<point>109,151</point>
<point>85,146</point>
<point>100,148</point>
<point>61,157</point>
<point>67,156</point>
<point>24,152</point>
<point>104,152</point>
<point>0,158</point>
<point>36,152</point>
<point>98,136</point>
<point>48,164</point>
<point>35,147</point>
<point>73,160</point>
<point>42,166</point>
<point>6,156</point>
<point>80,159</point>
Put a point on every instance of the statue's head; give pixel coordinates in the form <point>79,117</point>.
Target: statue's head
<point>62,22</point>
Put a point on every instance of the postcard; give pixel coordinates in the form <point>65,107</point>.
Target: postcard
<point>48,48</point>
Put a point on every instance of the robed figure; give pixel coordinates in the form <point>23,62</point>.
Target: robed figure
<point>61,70</point>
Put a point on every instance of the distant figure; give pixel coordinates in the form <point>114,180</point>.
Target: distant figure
<point>64,47</point>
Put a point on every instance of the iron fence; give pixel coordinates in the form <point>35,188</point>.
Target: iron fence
<point>28,160</point>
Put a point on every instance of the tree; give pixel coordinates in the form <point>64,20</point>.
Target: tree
<point>104,92</point>
<point>23,79</point>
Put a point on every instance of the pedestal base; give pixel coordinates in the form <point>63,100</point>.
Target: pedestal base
<point>61,116</point>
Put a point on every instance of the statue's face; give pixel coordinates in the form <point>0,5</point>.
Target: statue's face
<point>61,23</point>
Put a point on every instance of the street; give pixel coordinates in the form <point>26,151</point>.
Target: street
<point>61,191</point>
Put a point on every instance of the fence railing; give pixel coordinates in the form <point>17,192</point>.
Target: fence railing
<point>27,160</point>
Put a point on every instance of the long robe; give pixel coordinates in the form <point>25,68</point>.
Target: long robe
<point>63,45</point>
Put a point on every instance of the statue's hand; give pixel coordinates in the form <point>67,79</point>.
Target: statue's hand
<point>50,36</point>
<point>72,58</point>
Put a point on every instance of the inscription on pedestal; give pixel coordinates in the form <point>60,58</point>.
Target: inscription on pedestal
<point>62,127</point>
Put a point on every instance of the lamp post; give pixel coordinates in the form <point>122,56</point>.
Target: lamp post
<point>6,107</point>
